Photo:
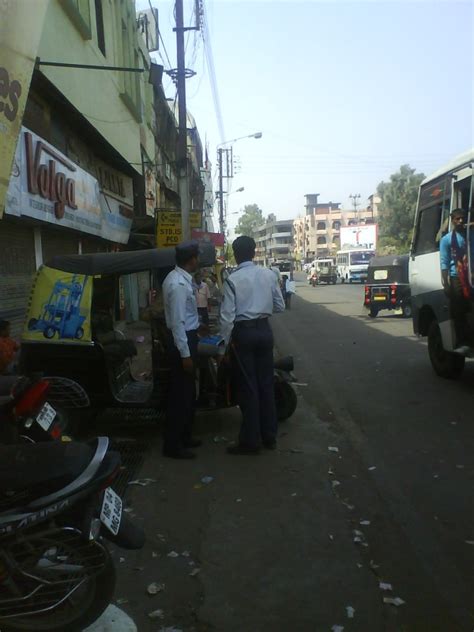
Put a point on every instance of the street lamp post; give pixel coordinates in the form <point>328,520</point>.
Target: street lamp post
<point>220,151</point>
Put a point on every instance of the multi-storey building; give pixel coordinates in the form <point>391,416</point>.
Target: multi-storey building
<point>317,233</point>
<point>274,241</point>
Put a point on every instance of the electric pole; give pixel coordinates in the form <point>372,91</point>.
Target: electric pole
<point>355,204</point>
<point>221,192</point>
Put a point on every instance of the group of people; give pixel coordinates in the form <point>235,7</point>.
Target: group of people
<point>250,296</point>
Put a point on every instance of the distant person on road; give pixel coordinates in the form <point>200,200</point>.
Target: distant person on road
<point>182,320</point>
<point>455,275</point>
<point>203,294</point>
<point>290,289</point>
<point>251,295</point>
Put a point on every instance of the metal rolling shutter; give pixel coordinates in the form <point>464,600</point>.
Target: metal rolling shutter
<point>17,269</point>
<point>55,242</point>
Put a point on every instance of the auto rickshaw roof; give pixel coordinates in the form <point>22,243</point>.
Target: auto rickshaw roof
<point>389,261</point>
<point>126,262</point>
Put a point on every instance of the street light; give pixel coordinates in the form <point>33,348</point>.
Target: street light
<point>221,176</point>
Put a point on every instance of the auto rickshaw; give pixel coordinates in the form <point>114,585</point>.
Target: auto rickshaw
<point>100,359</point>
<point>388,285</point>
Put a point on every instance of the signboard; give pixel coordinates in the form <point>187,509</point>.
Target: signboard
<point>59,308</point>
<point>169,231</point>
<point>46,185</point>
<point>363,236</point>
<point>214,238</point>
<point>21,23</point>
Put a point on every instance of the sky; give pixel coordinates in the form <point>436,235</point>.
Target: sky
<point>344,93</point>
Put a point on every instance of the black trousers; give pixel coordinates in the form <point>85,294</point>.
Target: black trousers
<point>181,397</point>
<point>253,361</point>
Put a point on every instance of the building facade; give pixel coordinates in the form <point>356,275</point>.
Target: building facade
<point>274,241</point>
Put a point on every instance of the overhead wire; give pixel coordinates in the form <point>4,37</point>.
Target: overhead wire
<point>212,73</point>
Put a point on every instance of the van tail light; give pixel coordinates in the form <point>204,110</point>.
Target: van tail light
<point>32,399</point>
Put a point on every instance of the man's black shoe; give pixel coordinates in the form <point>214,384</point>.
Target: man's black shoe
<point>179,454</point>
<point>270,445</point>
<point>193,443</point>
<point>242,449</point>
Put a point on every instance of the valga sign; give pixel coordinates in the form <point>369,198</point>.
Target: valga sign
<point>45,179</point>
<point>47,186</point>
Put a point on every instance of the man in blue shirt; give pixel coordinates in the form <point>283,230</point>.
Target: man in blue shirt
<point>251,295</point>
<point>455,275</point>
<point>182,321</point>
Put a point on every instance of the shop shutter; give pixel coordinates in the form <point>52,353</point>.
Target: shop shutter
<point>57,242</point>
<point>17,270</point>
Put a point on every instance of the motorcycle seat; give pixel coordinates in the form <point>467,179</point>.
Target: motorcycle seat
<point>41,468</point>
<point>284,364</point>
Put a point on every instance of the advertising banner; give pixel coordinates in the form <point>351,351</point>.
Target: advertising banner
<point>21,23</point>
<point>363,236</point>
<point>46,185</point>
<point>169,231</point>
<point>60,308</point>
<point>214,238</point>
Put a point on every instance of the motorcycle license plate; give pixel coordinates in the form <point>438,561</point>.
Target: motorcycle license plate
<point>111,512</point>
<point>46,416</point>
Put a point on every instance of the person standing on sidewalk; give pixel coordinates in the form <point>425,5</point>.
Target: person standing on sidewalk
<point>182,321</point>
<point>251,295</point>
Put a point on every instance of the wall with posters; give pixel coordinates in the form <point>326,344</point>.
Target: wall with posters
<point>46,185</point>
<point>363,236</point>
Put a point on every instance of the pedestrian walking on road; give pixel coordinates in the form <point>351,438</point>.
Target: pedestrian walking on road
<point>182,321</point>
<point>251,295</point>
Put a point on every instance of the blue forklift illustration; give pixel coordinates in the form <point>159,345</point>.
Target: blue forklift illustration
<point>61,314</point>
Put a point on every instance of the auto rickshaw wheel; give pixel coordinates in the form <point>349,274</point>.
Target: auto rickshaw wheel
<point>49,332</point>
<point>406,310</point>
<point>445,363</point>
<point>285,400</point>
<point>373,311</point>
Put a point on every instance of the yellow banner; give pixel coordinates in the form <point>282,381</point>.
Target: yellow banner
<point>21,23</point>
<point>169,232</point>
<point>60,308</point>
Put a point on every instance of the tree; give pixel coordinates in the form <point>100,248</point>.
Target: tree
<point>250,220</point>
<point>397,208</point>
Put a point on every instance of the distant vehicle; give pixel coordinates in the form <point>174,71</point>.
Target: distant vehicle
<point>352,264</point>
<point>448,188</point>
<point>283,266</point>
<point>322,271</point>
<point>387,285</point>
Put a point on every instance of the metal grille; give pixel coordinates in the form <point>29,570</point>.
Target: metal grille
<point>65,394</point>
<point>132,454</point>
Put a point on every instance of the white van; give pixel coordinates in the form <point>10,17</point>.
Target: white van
<point>448,188</point>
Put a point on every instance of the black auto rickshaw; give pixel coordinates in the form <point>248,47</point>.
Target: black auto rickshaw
<point>388,285</point>
<point>71,331</point>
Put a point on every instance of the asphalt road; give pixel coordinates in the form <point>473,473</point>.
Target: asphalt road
<point>372,482</point>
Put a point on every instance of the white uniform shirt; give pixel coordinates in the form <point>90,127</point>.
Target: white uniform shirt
<point>180,307</point>
<point>250,292</point>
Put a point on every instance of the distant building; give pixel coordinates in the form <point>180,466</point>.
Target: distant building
<point>274,241</point>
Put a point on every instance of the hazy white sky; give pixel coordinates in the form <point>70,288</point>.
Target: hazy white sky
<point>343,91</point>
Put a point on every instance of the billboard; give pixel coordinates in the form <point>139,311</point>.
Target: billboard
<point>363,236</point>
<point>169,232</point>
<point>21,23</point>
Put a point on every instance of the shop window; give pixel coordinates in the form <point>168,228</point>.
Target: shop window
<point>99,20</point>
<point>80,15</point>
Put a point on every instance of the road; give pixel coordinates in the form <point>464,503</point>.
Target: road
<point>372,482</point>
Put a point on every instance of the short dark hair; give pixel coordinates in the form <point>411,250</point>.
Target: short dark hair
<point>4,324</point>
<point>186,251</point>
<point>458,211</point>
<point>244,248</point>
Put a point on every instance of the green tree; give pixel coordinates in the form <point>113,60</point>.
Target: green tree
<point>397,209</point>
<point>250,220</point>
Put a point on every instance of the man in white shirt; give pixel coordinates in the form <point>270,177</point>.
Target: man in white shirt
<point>182,321</point>
<point>251,295</point>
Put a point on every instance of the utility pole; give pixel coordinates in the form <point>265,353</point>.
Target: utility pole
<point>182,153</point>
<point>355,204</point>
<point>221,192</point>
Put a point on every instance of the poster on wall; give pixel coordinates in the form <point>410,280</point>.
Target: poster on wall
<point>46,185</point>
<point>59,310</point>
<point>17,60</point>
<point>363,236</point>
<point>169,232</point>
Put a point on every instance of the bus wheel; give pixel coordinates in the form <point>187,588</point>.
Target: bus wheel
<point>445,364</point>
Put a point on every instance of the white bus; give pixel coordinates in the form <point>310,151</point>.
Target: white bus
<point>352,264</point>
<point>449,188</point>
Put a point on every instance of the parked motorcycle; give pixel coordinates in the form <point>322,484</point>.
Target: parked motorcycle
<point>56,506</point>
<point>36,408</point>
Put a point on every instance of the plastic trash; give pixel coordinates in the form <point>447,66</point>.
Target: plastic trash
<point>173,554</point>
<point>195,572</point>
<point>393,601</point>
<point>140,339</point>
<point>143,482</point>
<point>350,612</point>
<point>385,586</point>
<point>207,479</point>
<point>157,614</point>
<point>333,448</point>
<point>154,588</point>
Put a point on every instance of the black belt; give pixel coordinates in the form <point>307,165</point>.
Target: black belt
<point>254,322</point>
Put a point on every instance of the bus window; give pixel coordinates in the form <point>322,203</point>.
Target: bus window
<point>428,226</point>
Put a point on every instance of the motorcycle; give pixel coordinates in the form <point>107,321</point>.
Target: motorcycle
<point>36,408</point>
<point>56,508</point>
